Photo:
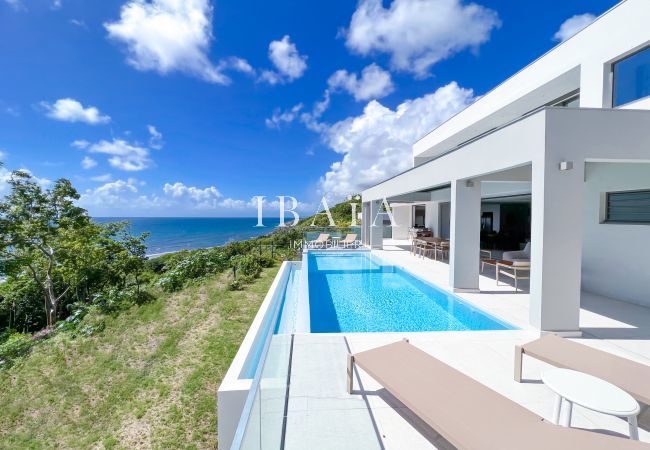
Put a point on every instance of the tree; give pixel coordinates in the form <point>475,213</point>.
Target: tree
<point>34,225</point>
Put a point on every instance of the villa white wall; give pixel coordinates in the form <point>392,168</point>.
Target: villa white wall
<point>583,61</point>
<point>431,216</point>
<point>544,139</point>
<point>615,257</point>
<point>402,216</point>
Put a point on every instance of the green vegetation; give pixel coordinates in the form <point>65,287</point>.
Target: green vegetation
<point>101,347</point>
<point>341,214</point>
<point>148,380</point>
<point>58,265</point>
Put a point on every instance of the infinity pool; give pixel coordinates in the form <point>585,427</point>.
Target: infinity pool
<point>356,292</point>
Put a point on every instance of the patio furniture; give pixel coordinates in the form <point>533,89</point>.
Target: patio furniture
<point>469,415</point>
<point>630,376</point>
<point>592,393</point>
<point>489,262</point>
<point>428,248</point>
<point>443,248</point>
<point>320,241</point>
<point>418,246</point>
<point>336,240</point>
<point>350,239</point>
<point>518,256</point>
<point>517,268</point>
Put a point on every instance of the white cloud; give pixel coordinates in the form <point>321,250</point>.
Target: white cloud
<point>572,25</point>
<point>201,197</point>
<point>237,64</point>
<point>80,144</point>
<point>119,196</point>
<point>171,35</point>
<point>78,23</point>
<point>312,119</point>
<point>57,4</point>
<point>70,110</point>
<point>290,64</point>
<point>373,83</point>
<point>102,178</point>
<point>3,155</point>
<point>155,138</point>
<point>124,156</point>
<point>378,143</point>
<point>5,176</point>
<point>419,33</point>
<point>88,162</point>
<point>280,117</point>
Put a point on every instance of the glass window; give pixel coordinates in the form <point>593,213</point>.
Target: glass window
<point>628,207</point>
<point>632,78</point>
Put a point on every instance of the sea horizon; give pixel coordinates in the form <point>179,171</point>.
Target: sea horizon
<point>173,234</point>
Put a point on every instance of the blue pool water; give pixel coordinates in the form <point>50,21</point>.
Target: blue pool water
<point>354,292</point>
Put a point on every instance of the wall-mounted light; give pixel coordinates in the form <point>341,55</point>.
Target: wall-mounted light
<point>469,184</point>
<point>566,165</point>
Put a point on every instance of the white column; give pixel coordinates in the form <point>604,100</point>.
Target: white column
<point>376,229</point>
<point>465,227</point>
<point>365,223</point>
<point>556,245</point>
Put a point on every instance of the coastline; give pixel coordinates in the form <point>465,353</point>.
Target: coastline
<point>175,234</point>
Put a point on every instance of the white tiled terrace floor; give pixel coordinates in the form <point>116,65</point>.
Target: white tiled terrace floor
<point>323,416</point>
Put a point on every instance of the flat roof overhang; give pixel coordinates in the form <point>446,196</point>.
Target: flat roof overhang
<point>580,62</point>
<point>544,137</point>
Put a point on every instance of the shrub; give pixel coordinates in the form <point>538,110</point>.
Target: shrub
<point>240,282</point>
<point>13,346</point>
<point>266,261</point>
<point>236,285</point>
<point>193,266</point>
<point>156,265</point>
<point>246,265</point>
<point>114,299</point>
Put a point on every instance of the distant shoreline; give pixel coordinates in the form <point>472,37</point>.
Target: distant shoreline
<point>175,234</point>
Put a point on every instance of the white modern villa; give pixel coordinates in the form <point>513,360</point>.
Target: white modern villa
<point>508,305</point>
<point>565,135</point>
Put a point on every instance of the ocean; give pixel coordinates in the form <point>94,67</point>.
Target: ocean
<point>171,234</point>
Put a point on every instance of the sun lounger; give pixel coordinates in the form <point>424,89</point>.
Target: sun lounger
<point>320,241</point>
<point>466,413</point>
<point>631,376</point>
<point>350,239</point>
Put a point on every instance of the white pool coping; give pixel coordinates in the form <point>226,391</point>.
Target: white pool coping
<point>234,389</point>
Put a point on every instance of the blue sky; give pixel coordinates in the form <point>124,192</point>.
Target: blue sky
<point>191,108</point>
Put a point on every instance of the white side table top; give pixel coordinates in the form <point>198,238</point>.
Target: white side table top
<point>591,392</point>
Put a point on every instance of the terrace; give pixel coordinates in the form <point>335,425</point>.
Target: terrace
<point>555,139</point>
<point>315,411</point>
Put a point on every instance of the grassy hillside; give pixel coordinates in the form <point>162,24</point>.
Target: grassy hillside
<point>137,375</point>
<point>148,380</point>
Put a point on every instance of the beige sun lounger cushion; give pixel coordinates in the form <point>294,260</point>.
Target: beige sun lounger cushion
<point>349,239</point>
<point>629,375</point>
<point>466,413</point>
<point>321,239</point>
